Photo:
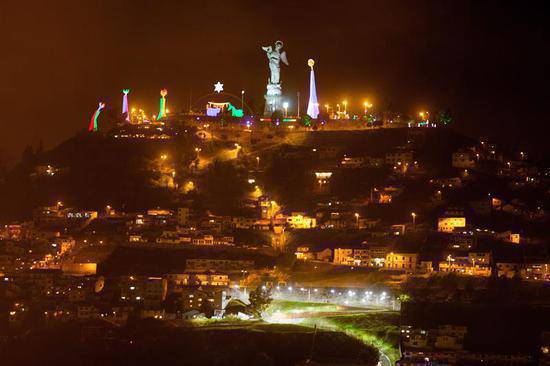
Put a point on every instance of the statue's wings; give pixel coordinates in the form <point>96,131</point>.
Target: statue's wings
<point>267,49</point>
<point>284,59</point>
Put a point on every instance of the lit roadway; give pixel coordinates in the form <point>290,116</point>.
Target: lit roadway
<point>222,155</point>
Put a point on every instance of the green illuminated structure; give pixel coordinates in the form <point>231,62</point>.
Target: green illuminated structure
<point>234,111</point>
<point>162,110</point>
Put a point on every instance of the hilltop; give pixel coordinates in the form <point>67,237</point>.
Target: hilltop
<point>94,170</point>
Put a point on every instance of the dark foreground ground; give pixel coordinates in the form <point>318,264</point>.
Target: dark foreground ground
<point>152,343</point>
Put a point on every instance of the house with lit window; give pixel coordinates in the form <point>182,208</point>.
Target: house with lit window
<point>403,261</point>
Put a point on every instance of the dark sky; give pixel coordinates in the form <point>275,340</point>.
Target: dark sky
<point>485,60</point>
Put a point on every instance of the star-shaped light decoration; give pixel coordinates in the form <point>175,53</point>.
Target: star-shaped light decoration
<point>218,87</point>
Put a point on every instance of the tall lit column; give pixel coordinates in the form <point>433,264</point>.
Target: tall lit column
<point>125,111</point>
<point>93,122</point>
<point>313,105</point>
<point>162,111</point>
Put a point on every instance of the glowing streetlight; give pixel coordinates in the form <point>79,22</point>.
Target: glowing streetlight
<point>414,218</point>
<point>338,106</point>
<point>163,157</point>
<point>242,100</point>
<point>285,106</point>
<point>257,162</point>
<point>424,115</point>
<point>357,219</point>
<point>367,105</point>
<point>345,103</point>
<point>327,107</point>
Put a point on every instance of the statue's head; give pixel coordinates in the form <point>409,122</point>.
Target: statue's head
<point>101,105</point>
<point>125,91</point>
<point>278,45</point>
<point>163,92</point>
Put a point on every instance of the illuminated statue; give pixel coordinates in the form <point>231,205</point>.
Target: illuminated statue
<point>162,111</point>
<point>125,111</point>
<point>93,122</point>
<point>275,56</point>
<point>274,89</point>
<point>313,104</point>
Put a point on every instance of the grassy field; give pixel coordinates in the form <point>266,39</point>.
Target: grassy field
<point>301,307</point>
<point>377,328</point>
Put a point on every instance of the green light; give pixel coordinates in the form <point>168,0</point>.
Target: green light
<point>235,112</point>
<point>162,111</point>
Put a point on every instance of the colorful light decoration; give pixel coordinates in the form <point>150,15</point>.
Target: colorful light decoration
<point>218,87</point>
<point>238,113</point>
<point>162,111</point>
<point>313,104</point>
<point>93,122</point>
<point>125,111</point>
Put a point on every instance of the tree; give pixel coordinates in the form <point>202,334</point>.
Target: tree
<point>224,186</point>
<point>306,120</point>
<point>404,298</point>
<point>260,298</point>
<point>207,309</point>
<point>28,156</point>
<point>444,117</point>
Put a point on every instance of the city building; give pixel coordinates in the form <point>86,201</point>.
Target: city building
<point>299,220</point>
<point>401,261</point>
<point>449,224</point>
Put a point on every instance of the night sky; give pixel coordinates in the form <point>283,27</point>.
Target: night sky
<point>487,61</point>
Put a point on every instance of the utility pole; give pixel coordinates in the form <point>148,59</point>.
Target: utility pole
<point>298,104</point>
<point>312,349</point>
<point>190,98</point>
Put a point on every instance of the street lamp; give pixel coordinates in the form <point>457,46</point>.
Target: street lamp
<point>357,219</point>
<point>345,103</point>
<point>257,162</point>
<point>242,100</point>
<point>285,106</point>
<point>414,218</point>
<point>424,116</point>
<point>367,105</point>
<point>327,107</point>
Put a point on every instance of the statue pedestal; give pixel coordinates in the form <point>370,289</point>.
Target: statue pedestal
<point>273,99</point>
